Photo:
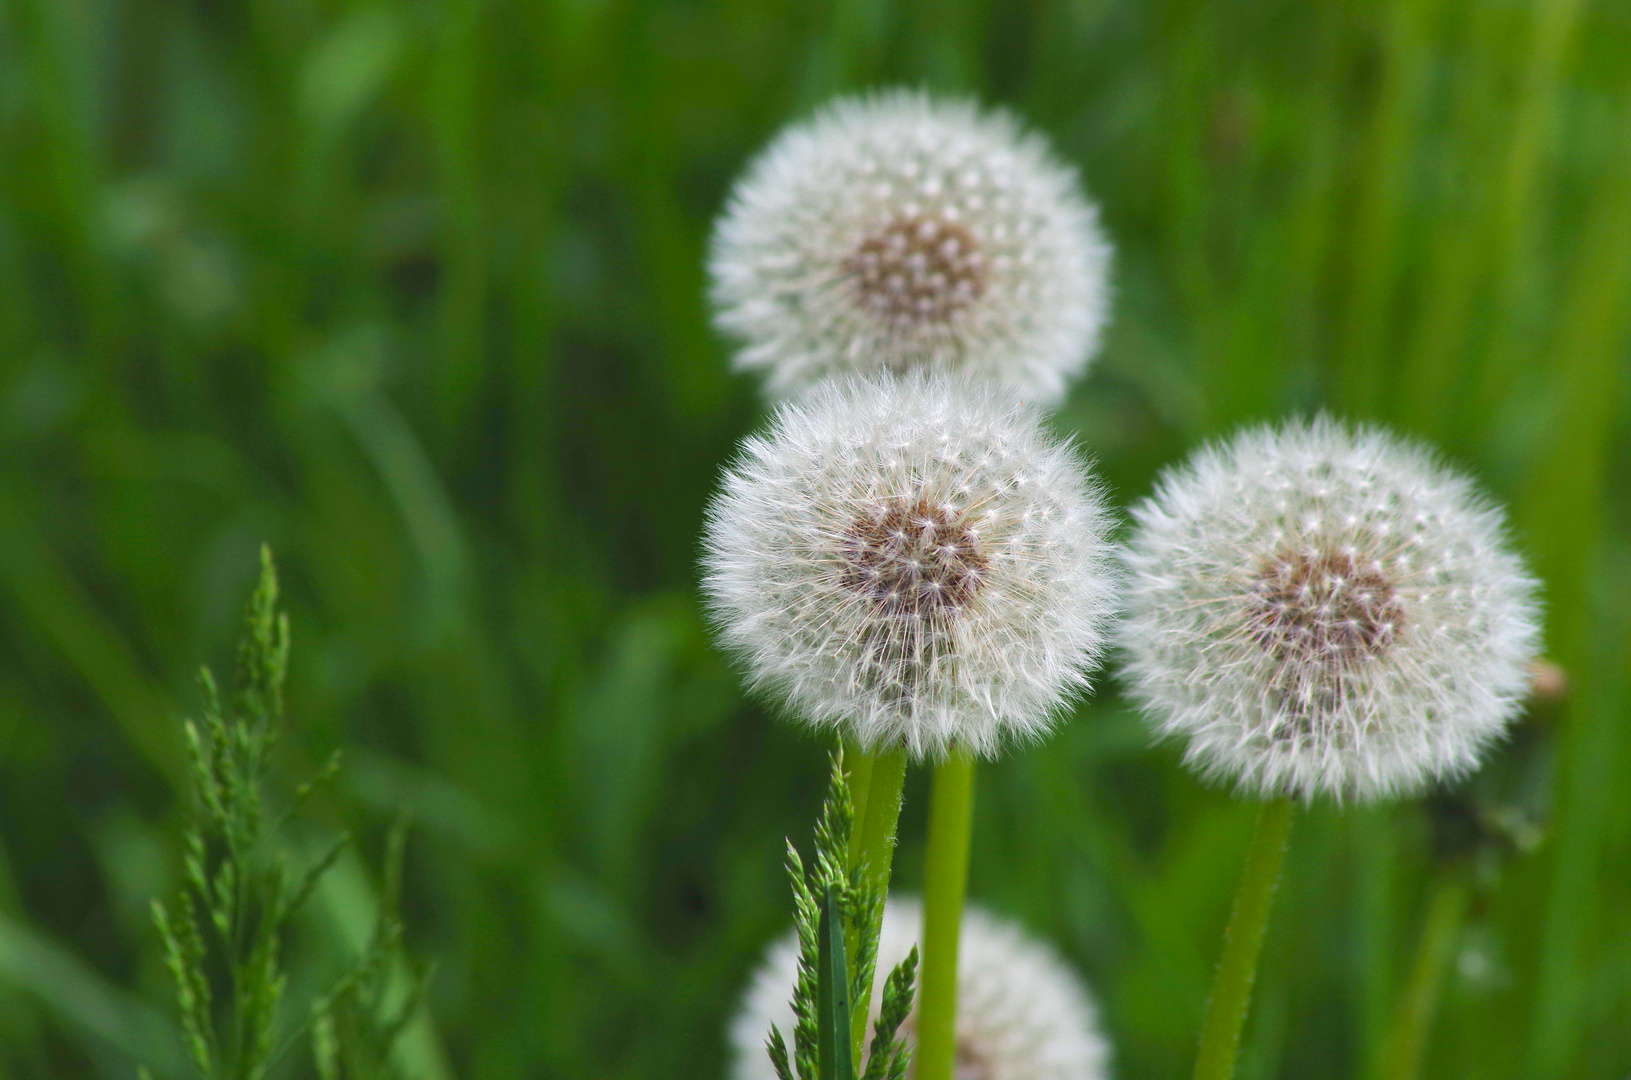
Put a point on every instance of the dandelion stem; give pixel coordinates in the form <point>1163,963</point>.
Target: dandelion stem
<point>1406,1041</point>
<point>951,806</point>
<point>1243,943</point>
<point>858,768</point>
<point>875,786</point>
<point>873,839</point>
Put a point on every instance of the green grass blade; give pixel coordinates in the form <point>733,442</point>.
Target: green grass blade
<point>836,1059</point>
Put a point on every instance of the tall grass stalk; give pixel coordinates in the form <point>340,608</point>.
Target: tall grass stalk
<point>835,904</point>
<point>1564,512</point>
<point>1406,1042</point>
<point>241,895</point>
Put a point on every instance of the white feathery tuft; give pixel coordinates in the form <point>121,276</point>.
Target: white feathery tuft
<point>913,562</point>
<point>899,231</point>
<point>1022,1013</point>
<point>1323,611</point>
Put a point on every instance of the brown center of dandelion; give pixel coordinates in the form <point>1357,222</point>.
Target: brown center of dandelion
<point>918,269</point>
<point>914,558</point>
<point>971,1064</point>
<point>972,1061</point>
<point>1322,607</point>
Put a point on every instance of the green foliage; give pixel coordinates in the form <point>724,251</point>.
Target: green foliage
<point>888,1057</point>
<point>414,289</point>
<point>835,903</point>
<point>241,896</point>
<point>357,1025</point>
<point>236,890</point>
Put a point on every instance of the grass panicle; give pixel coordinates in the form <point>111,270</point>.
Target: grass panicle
<point>838,911</point>
<point>888,1058</point>
<point>356,1025</point>
<point>241,890</point>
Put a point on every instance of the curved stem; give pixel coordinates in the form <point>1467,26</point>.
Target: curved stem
<point>1243,943</point>
<point>951,812</point>
<point>1406,1041</point>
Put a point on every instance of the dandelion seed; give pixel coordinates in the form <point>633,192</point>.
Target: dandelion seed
<point>913,562</point>
<point>1023,1013</point>
<point>900,231</point>
<point>1325,611</point>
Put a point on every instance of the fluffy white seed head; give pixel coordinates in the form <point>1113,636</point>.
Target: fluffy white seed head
<point>1022,1014</point>
<point>1322,611</point>
<point>913,562</point>
<point>899,231</point>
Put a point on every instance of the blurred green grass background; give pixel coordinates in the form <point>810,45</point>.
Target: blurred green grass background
<point>413,290</point>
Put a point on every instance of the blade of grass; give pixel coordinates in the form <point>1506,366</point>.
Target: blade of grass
<point>1373,839</point>
<point>1562,517</point>
<point>1524,202</point>
<point>57,605</point>
<point>1406,1043</point>
<point>837,1060</point>
<point>1458,228</point>
<point>350,904</point>
<point>85,1001</point>
<point>1406,61</point>
<point>456,114</point>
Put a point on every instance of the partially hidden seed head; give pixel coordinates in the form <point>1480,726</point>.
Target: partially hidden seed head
<point>901,232</point>
<point>917,270</point>
<point>1022,1012</point>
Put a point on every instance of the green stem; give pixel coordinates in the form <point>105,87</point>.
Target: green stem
<point>872,840</point>
<point>1242,944</point>
<point>858,766</point>
<point>951,807</point>
<point>1406,1041</point>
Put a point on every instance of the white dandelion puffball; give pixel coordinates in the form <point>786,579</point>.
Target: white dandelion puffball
<point>1319,610</point>
<point>1022,1014</point>
<point>912,562</point>
<point>899,231</point>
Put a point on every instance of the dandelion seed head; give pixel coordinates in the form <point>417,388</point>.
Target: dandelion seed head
<point>1316,610</point>
<point>913,562</point>
<point>901,231</point>
<point>1022,1013</point>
